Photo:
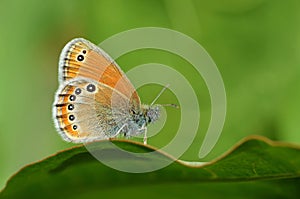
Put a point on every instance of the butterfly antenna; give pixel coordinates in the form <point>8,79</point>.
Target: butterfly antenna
<point>171,105</point>
<point>159,94</point>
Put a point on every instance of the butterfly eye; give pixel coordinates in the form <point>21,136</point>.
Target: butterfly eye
<point>77,91</point>
<point>91,87</point>
<point>71,117</point>
<point>80,57</point>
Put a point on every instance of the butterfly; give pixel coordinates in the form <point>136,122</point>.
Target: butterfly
<point>95,99</point>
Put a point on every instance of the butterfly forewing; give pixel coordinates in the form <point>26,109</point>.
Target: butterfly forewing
<point>82,59</point>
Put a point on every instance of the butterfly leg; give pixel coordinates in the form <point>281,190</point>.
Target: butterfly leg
<point>145,134</point>
<point>119,131</point>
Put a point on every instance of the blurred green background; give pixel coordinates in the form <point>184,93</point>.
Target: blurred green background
<point>255,44</point>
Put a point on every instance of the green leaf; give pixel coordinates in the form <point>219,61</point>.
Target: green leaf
<point>256,166</point>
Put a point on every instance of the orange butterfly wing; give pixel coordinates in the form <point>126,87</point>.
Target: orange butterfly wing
<point>81,58</point>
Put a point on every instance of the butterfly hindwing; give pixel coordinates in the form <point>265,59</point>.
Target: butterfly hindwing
<point>86,110</point>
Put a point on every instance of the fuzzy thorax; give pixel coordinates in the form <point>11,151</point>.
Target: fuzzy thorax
<point>151,113</point>
<point>146,115</point>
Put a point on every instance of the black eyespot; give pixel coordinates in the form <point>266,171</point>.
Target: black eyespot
<point>84,51</point>
<point>91,88</point>
<point>77,91</point>
<point>70,107</point>
<point>72,97</point>
<point>80,57</point>
<point>71,117</point>
<point>75,127</point>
